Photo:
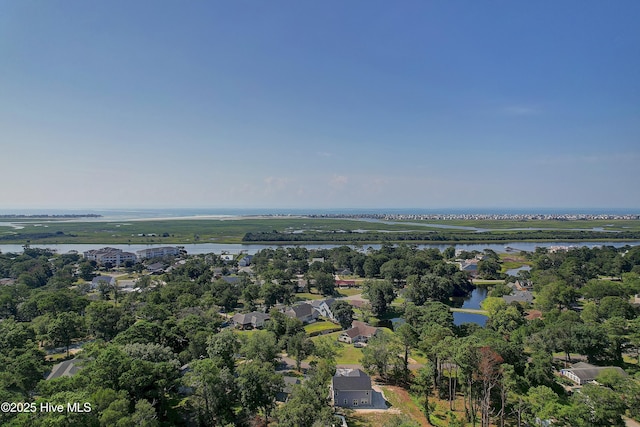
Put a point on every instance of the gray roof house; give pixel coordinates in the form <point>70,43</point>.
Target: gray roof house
<point>245,261</point>
<point>524,297</point>
<point>351,388</point>
<point>303,312</point>
<point>289,382</point>
<point>255,319</point>
<point>582,373</point>
<point>324,307</point>
<point>64,369</point>
<point>102,279</point>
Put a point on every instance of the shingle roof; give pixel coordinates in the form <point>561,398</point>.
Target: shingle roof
<point>518,296</point>
<point>247,318</point>
<point>588,372</point>
<point>106,279</point>
<point>351,379</point>
<point>64,369</point>
<point>361,328</point>
<point>302,310</point>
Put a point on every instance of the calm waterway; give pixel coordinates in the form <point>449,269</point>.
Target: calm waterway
<point>473,301</point>
<point>206,248</point>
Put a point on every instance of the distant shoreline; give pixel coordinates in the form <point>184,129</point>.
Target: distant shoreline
<point>48,216</point>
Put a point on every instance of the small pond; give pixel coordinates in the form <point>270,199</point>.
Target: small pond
<point>473,301</point>
<point>514,271</point>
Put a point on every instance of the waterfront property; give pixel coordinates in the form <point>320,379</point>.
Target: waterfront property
<point>158,252</point>
<point>113,256</point>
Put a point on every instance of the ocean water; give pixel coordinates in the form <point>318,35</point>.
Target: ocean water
<point>133,213</point>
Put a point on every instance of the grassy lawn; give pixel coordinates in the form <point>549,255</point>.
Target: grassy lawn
<point>320,326</point>
<point>486,282</point>
<point>419,357</point>
<point>349,292</point>
<point>306,296</point>
<point>184,231</point>
<point>245,333</point>
<point>348,354</point>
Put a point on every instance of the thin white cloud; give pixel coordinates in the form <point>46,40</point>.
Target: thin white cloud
<point>338,181</point>
<point>520,110</point>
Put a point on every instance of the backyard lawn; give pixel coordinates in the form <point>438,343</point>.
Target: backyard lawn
<point>320,326</point>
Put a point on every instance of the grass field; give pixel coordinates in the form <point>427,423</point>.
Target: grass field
<point>176,231</point>
<point>185,231</point>
<point>320,326</point>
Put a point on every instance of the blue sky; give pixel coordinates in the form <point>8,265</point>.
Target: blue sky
<point>319,104</point>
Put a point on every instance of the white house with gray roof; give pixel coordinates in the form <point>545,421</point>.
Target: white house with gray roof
<point>582,373</point>
<point>324,307</point>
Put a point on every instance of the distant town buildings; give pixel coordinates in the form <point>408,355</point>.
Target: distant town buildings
<point>114,256</point>
<point>158,252</point>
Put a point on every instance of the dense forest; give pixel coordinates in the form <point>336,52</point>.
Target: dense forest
<point>164,353</point>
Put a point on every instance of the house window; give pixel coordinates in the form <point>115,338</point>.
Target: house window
<point>355,402</point>
<point>346,402</point>
<point>364,401</point>
<point>367,393</point>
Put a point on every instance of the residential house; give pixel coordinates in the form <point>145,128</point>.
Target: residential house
<point>67,368</point>
<point>351,388</point>
<point>523,297</point>
<point>289,382</point>
<point>156,268</point>
<point>245,261</point>
<point>253,320</point>
<point>95,283</point>
<point>470,266</point>
<point>346,284</point>
<point>324,307</point>
<point>359,332</point>
<point>304,312</point>
<point>227,258</point>
<point>524,285</point>
<point>582,373</point>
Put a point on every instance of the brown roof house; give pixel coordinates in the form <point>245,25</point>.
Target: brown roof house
<point>359,332</point>
<point>351,388</point>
